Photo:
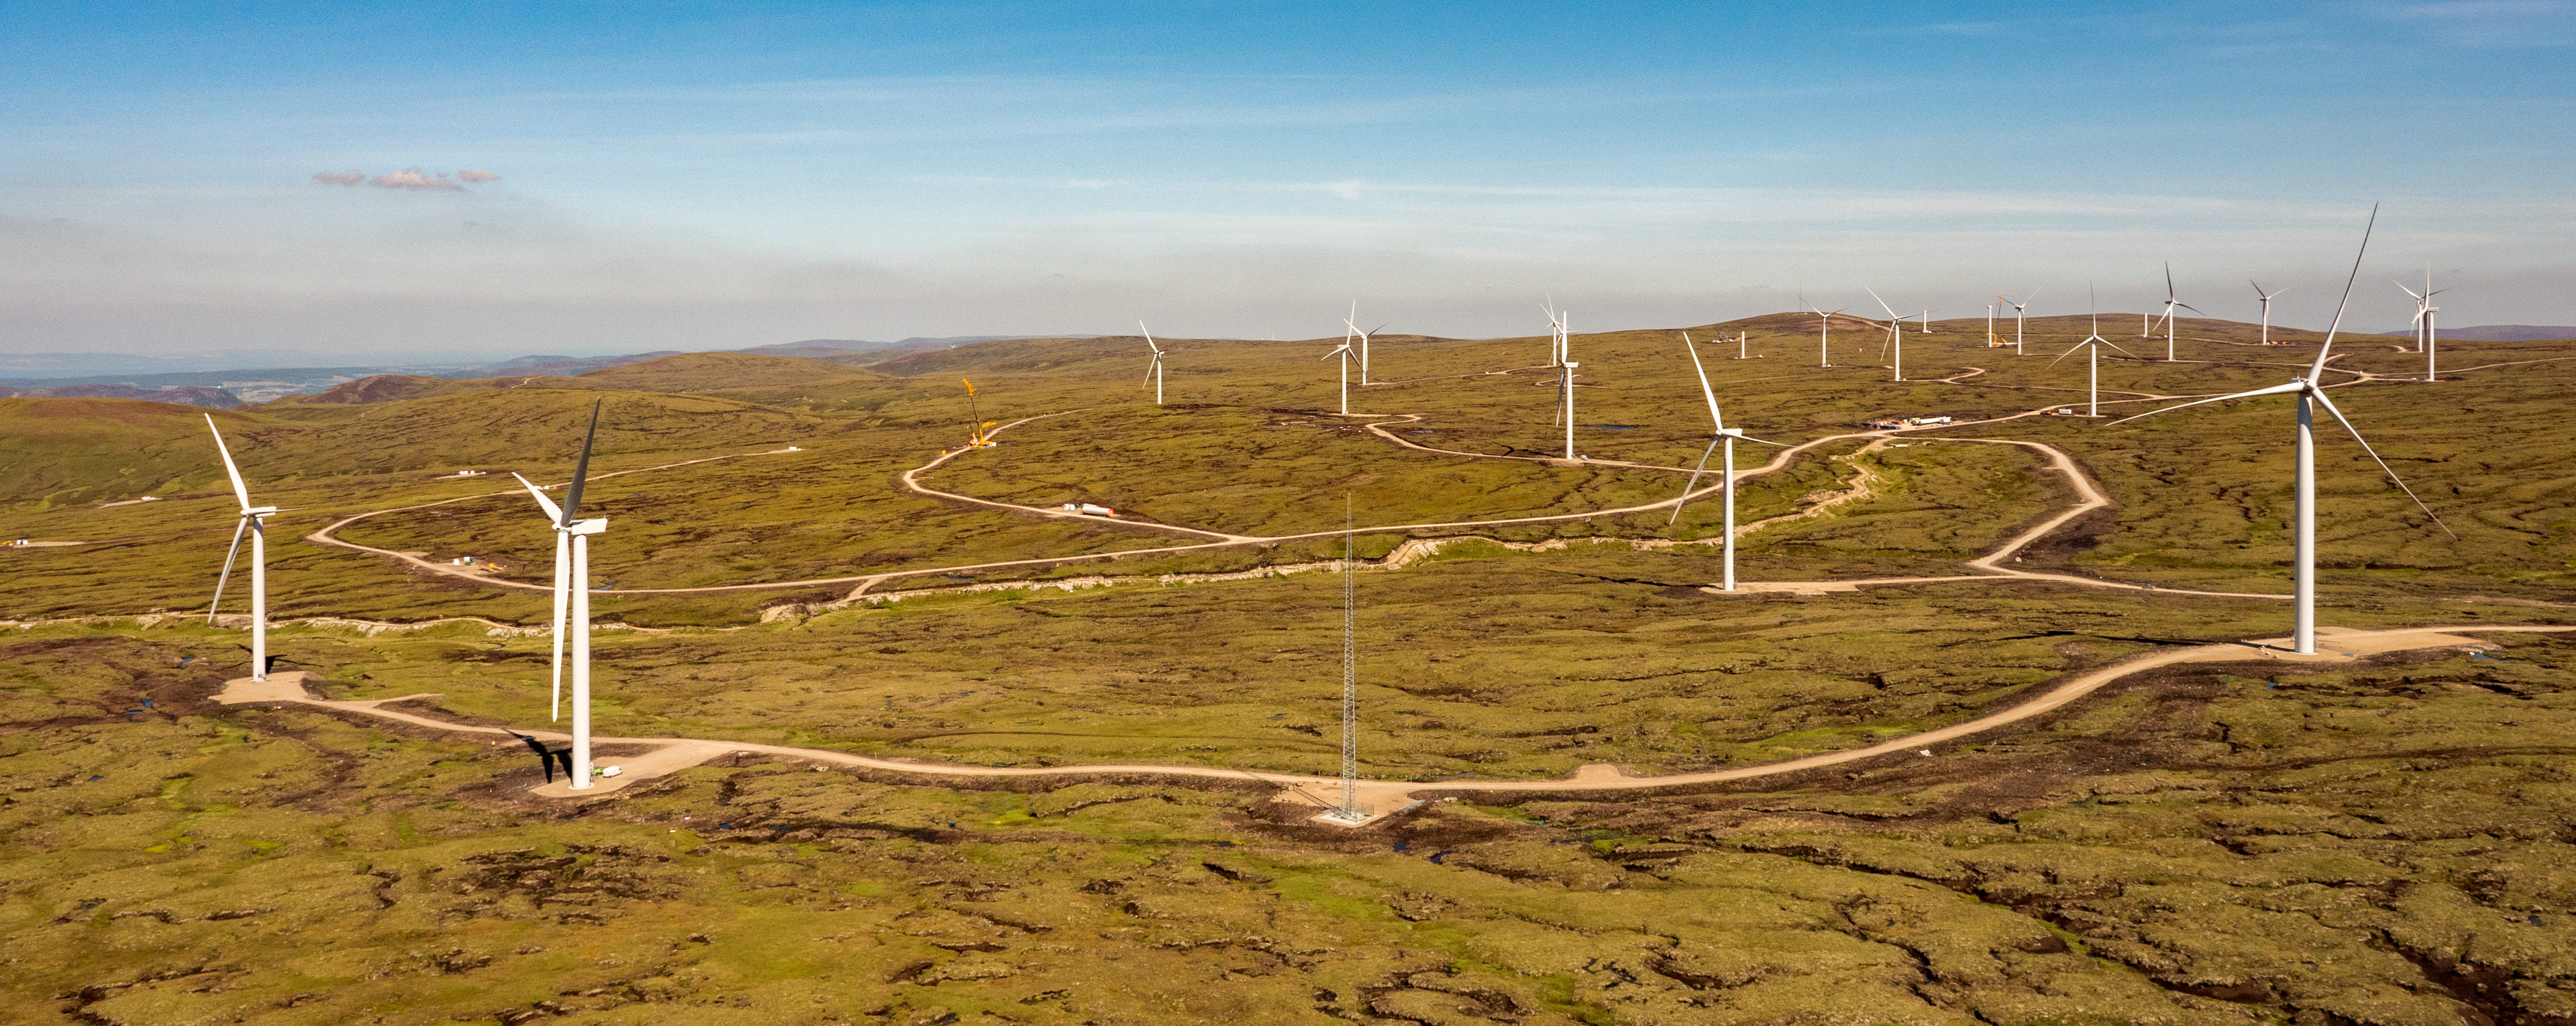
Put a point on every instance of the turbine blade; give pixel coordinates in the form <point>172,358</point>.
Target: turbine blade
<point>238,527</point>
<point>2116,345</point>
<point>1704,391</point>
<point>2280,389</point>
<point>581,467</point>
<point>1149,339</point>
<point>2320,396</point>
<point>554,515</point>
<point>2062,356</point>
<point>2191,308</point>
<point>1694,483</point>
<point>2169,289</point>
<point>239,492</point>
<point>1750,438</point>
<point>1882,304</point>
<point>2319,367</point>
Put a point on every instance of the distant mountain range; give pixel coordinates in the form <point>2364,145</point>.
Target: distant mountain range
<point>184,395</point>
<point>225,389</point>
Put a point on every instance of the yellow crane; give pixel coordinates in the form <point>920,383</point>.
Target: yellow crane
<point>976,437</point>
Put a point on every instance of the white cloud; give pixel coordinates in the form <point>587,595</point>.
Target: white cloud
<point>476,175</point>
<point>340,177</point>
<point>412,178</point>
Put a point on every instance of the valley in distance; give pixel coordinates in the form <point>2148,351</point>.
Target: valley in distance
<point>1028,707</point>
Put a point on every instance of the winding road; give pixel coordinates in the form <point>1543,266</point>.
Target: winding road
<point>1380,798</point>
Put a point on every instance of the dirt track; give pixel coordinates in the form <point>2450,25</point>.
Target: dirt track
<point>1382,797</point>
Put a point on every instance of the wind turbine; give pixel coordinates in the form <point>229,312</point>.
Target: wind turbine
<point>1727,436</point>
<point>2018,310</point>
<point>1156,370</point>
<point>2303,637</point>
<point>572,588</point>
<point>1562,351</point>
<point>2424,311</point>
<point>1344,351</point>
<point>1352,323</point>
<point>2092,365</point>
<point>1895,334</point>
<point>2267,306</point>
<point>1825,335</point>
<point>1927,323</point>
<point>1990,324</point>
<point>1740,343</point>
<point>255,520</point>
<point>2170,304</point>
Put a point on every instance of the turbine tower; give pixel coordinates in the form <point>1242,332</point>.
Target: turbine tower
<point>1563,350</point>
<point>2311,394</point>
<point>2266,297</point>
<point>255,520</point>
<point>1344,351</point>
<point>1990,323</point>
<point>2019,309</point>
<point>1895,335</point>
<point>572,588</point>
<point>1352,323</point>
<point>1727,436</point>
<point>1153,372</point>
<point>2170,304</point>
<point>2092,365</point>
<point>2425,340</point>
<point>1825,336</point>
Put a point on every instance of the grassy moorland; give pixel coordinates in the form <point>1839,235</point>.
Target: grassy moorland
<point>2223,844</point>
<point>2213,843</point>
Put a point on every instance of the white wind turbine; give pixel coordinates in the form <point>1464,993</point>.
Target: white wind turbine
<point>1990,324</point>
<point>1722,435</point>
<point>2425,341</point>
<point>2310,393</point>
<point>255,520</point>
<point>572,588</point>
<point>2266,297</point>
<point>1352,323</point>
<point>2170,317</point>
<point>1740,344</point>
<point>1927,323</point>
<point>2019,309</point>
<point>1825,335</point>
<point>1154,371</point>
<point>1562,353</point>
<point>2093,343</point>
<point>1895,334</point>
<point>1344,351</point>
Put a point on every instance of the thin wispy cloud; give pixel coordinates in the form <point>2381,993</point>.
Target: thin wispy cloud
<point>2494,23</point>
<point>410,179</point>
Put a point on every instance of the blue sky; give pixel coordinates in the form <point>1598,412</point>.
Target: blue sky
<point>667,178</point>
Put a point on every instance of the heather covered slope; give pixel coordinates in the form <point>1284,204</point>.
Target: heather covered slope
<point>1245,446</point>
